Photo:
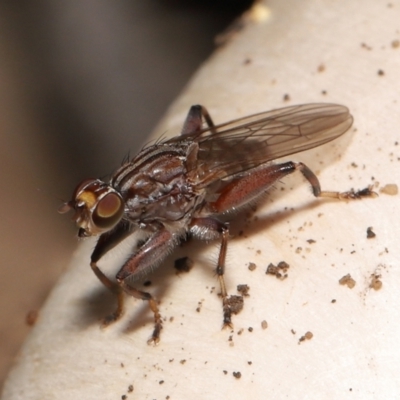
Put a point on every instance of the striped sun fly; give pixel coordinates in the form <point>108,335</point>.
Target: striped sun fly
<point>191,186</point>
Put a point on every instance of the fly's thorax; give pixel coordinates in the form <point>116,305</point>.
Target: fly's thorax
<point>98,207</point>
<point>155,184</point>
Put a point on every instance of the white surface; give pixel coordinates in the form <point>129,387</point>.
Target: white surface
<point>354,352</point>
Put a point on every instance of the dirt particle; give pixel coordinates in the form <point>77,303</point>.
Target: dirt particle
<point>321,68</point>
<point>130,388</point>
<point>199,304</point>
<point>348,281</point>
<point>235,303</point>
<point>264,324</point>
<point>370,233</point>
<point>307,336</point>
<point>237,375</point>
<point>395,43</point>
<point>365,46</point>
<point>252,266</point>
<point>243,289</point>
<point>247,61</point>
<point>376,282</point>
<point>279,271</point>
<point>381,72</point>
<point>184,264</point>
<point>286,97</point>
<point>391,189</point>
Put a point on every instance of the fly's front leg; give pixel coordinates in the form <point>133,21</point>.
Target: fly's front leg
<point>105,243</point>
<point>210,229</point>
<point>149,256</point>
<point>250,188</point>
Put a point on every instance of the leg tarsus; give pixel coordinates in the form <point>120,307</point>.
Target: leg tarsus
<point>155,337</point>
<point>145,296</point>
<point>117,314</point>
<point>316,187</point>
<point>351,194</point>
<point>114,288</point>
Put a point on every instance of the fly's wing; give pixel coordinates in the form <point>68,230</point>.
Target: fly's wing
<point>247,142</point>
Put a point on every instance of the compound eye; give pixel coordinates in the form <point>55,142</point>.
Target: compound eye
<point>108,211</point>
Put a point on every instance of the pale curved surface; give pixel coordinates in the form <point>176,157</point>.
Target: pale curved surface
<point>354,351</point>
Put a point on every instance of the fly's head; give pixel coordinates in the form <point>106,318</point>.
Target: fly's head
<point>98,207</point>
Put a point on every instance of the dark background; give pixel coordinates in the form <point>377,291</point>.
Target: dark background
<point>81,83</point>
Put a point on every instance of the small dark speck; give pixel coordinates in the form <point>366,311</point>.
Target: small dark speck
<point>324,92</point>
<point>184,264</point>
<point>395,43</point>
<point>161,382</point>
<point>147,283</point>
<point>237,375</point>
<point>250,329</point>
<point>124,397</point>
<point>370,233</point>
<point>130,388</point>
<point>286,97</point>
<point>225,372</point>
<point>365,46</point>
<point>381,72</point>
<point>333,301</point>
<point>252,266</point>
<point>243,289</point>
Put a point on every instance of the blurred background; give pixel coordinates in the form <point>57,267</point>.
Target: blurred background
<point>81,83</point>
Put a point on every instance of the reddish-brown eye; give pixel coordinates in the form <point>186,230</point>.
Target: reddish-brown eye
<point>108,211</point>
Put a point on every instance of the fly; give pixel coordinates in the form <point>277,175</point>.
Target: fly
<point>193,183</point>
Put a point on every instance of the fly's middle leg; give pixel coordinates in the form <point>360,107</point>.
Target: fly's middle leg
<point>210,228</point>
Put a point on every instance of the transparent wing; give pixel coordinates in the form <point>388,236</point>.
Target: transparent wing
<point>247,142</point>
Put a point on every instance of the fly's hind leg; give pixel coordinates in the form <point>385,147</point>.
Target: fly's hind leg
<point>149,256</point>
<point>316,188</point>
<point>251,188</point>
